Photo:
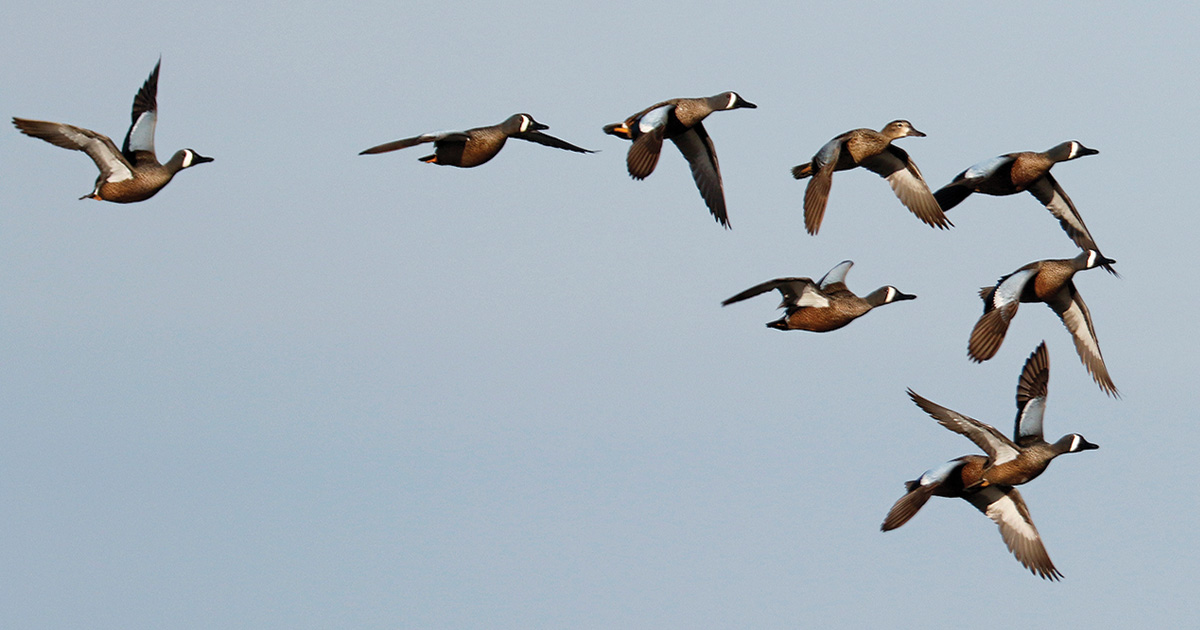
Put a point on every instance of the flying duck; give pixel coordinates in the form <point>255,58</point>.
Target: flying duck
<point>873,150</point>
<point>473,147</point>
<point>1049,282</point>
<point>133,173</point>
<point>820,306</point>
<point>680,120</point>
<point>1012,173</point>
<point>988,482</point>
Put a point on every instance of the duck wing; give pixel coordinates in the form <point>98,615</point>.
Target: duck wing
<point>139,140</point>
<point>1047,190</point>
<point>816,194</point>
<point>1032,388</point>
<point>834,280</point>
<point>1078,320</point>
<point>550,141</point>
<point>797,293</point>
<point>999,307</point>
<point>437,136</point>
<point>696,145</point>
<point>998,447</point>
<point>894,165</point>
<point>1005,506</point>
<point>112,164</point>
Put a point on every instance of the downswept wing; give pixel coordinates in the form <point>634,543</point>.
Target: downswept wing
<point>816,194</point>
<point>697,147</point>
<point>894,165</point>
<point>1000,306</point>
<point>647,146</point>
<point>1047,191</point>
<point>550,141</point>
<point>1005,506</point>
<point>1078,320</point>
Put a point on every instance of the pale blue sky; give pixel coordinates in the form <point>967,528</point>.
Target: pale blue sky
<point>302,388</point>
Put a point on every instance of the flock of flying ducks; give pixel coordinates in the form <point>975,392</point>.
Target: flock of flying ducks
<point>989,482</point>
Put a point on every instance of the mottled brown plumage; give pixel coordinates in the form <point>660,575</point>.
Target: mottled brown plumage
<point>874,151</point>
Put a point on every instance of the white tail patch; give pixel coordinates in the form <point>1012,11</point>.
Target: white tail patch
<point>1092,256</point>
<point>1075,442</point>
<point>891,294</point>
<point>733,97</point>
<point>188,156</point>
<point>525,122</point>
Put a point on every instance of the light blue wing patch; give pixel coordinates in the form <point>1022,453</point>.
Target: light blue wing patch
<point>810,297</point>
<point>837,274</point>
<point>939,474</point>
<point>828,153</point>
<point>1010,290</point>
<point>984,169</point>
<point>1029,423</point>
<point>141,134</point>
<point>654,118</point>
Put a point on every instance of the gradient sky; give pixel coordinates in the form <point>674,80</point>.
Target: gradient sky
<point>302,388</point>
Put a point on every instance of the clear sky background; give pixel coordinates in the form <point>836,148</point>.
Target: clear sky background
<point>302,388</point>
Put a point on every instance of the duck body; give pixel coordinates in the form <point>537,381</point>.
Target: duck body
<point>681,121</point>
<point>470,148</point>
<point>1049,282</point>
<point>874,151</point>
<point>988,482</point>
<point>132,173</point>
<point>820,306</point>
<point>1014,173</point>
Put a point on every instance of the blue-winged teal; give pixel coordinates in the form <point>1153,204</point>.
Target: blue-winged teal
<point>820,306</point>
<point>1049,282</point>
<point>133,173</point>
<point>987,482</point>
<point>874,151</point>
<point>476,146</point>
<point>1012,173</point>
<point>680,120</point>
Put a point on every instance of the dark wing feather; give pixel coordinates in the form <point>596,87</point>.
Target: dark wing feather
<point>697,147</point>
<point>550,141</point>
